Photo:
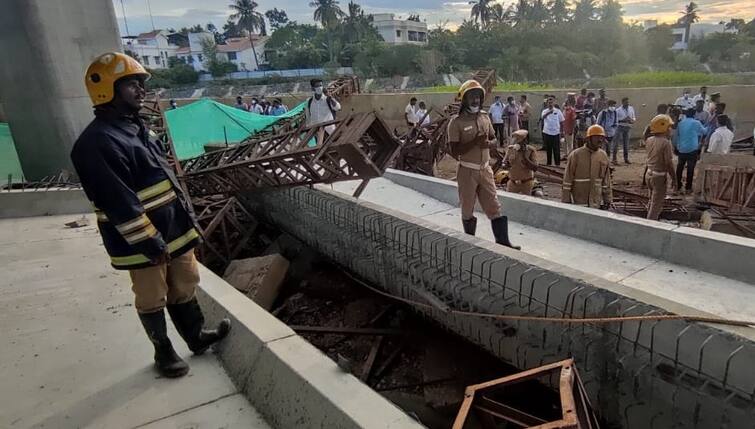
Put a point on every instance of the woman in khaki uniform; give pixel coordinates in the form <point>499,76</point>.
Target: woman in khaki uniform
<point>660,162</point>
<point>587,179</point>
<point>522,164</point>
<point>470,139</point>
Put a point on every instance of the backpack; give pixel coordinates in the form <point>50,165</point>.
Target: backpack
<point>327,101</point>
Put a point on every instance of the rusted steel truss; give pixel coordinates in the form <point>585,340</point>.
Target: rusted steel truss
<point>226,226</point>
<point>576,411</point>
<point>343,87</point>
<point>425,146</point>
<point>360,147</point>
<point>729,187</point>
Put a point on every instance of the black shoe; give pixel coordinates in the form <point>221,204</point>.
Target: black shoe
<point>470,225</point>
<point>167,362</point>
<point>501,232</point>
<point>189,321</point>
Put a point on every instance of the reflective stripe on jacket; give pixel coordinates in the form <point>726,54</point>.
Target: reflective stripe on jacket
<point>140,208</point>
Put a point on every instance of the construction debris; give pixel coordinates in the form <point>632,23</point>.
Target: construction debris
<point>78,223</point>
<point>226,226</point>
<point>343,87</point>
<point>360,147</point>
<point>259,278</point>
<point>735,224</point>
<point>576,411</point>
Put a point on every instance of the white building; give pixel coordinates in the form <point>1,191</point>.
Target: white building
<point>398,31</point>
<point>192,54</point>
<point>153,48</point>
<point>238,50</point>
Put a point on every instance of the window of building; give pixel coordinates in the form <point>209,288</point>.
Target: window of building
<point>398,33</point>
<point>199,57</point>
<point>146,60</point>
<point>157,60</point>
<point>232,56</point>
<point>422,36</point>
<point>413,36</point>
<point>190,59</point>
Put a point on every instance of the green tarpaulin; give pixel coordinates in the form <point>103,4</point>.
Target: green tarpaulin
<point>9,163</point>
<point>207,121</point>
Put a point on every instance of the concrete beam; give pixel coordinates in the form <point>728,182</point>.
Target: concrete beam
<point>43,203</point>
<point>289,381</point>
<point>623,364</point>
<point>47,47</point>
<point>722,254</point>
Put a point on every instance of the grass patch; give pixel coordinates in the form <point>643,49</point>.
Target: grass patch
<point>665,78</point>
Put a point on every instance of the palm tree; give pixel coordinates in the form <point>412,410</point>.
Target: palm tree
<point>247,18</point>
<point>481,12</point>
<point>522,12</point>
<point>689,16</point>
<point>497,13</point>
<point>584,11</point>
<point>327,12</point>
<point>611,11</point>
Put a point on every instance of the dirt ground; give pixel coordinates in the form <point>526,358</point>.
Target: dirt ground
<point>623,175</point>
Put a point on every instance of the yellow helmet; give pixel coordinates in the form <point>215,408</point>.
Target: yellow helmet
<point>596,130</point>
<point>105,70</point>
<point>661,124</point>
<point>467,86</point>
<point>501,176</point>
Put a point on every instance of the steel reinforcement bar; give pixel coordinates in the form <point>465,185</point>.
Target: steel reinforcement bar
<point>638,374</point>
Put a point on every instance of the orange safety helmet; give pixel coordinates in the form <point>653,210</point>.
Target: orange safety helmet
<point>468,86</point>
<point>661,124</point>
<point>596,130</point>
<point>105,70</point>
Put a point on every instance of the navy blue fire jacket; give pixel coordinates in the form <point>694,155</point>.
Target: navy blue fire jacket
<point>141,210</point>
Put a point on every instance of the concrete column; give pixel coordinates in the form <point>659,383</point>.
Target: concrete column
<point>47,46</point>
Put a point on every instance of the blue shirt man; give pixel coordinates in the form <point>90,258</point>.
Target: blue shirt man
<point>277,108</point>
<point>689,132</point>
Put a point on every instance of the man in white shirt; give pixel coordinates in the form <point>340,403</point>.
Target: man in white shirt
<point>685,101</point>
<point>422,114</point>
<point>721,139</point>
<point>321,108</point>
<point>626,117</point>
<point>552,119</point>
<point>496,117</point>
<point>703,95</point>
<point>255,107</point>
<point>410,113</point>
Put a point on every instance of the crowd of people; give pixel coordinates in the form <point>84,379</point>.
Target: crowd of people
<point>261,106</point>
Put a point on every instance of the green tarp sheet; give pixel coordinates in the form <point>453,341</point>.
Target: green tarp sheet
<point>207,121</point>
<point>9,163</point>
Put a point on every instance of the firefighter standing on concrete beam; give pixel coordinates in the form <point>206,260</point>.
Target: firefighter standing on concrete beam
<point>587,179</point>
<point>521,160</point>
<point>146,223</point>
<point>470,138</point>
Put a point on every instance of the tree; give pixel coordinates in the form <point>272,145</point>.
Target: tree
<point>247,18</point>
<point>219,38</point>
<point>230,29</point>
<point>481,12</point>
<point>327,12</point>
<point>277,18</point>
<point>559,11</point>
<point>584,11</point>
<point>689,16</point>
<point>216,66</point>
<point>735,25</point>
<point>611,11</point>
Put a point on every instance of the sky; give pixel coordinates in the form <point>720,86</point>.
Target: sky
<point>185,13</point>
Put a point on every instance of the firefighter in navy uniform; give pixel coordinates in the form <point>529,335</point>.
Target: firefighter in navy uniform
<point>145,221</point>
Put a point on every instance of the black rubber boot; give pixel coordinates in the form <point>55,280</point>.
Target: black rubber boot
<point>500,227</point>
<point>167,362</point>
<point>189,321</point>
<point>470,225</point>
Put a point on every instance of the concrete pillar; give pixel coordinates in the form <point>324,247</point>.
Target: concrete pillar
<point>46,46</point>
